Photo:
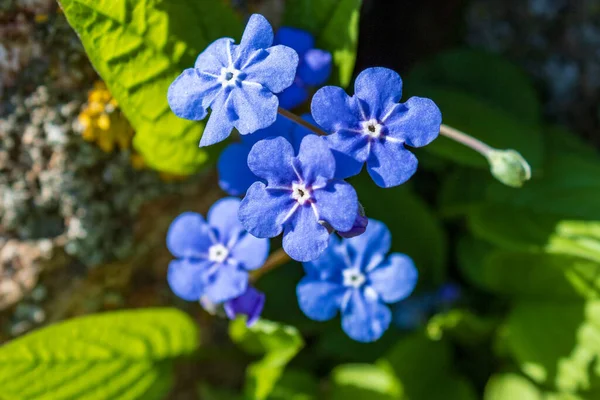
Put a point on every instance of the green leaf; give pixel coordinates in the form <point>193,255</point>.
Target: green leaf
<point>364,382</point>
<point>462,189</point>
<point>279,344</point>
<point>486,76</point>
<point>139,47</point>
<point>510,387</point>
<point>425,370</point>
<point>334,24</point>
<point>557,344</point>
<point>485,122</point>
<point>415,229</point>
<point>295,385</point>
<point>120,355</point>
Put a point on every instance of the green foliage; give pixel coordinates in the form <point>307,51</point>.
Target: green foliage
<point>364,381</point>
<point>334,24</point>
<point>118,356</point>
<point>139,47</point>
<point>279,344</point>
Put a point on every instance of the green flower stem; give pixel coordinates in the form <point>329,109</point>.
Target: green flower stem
<point>466,140</point>
<point>275,260</point>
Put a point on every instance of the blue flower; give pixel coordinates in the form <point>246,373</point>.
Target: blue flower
<point>355,277</point>
<point>314,66</point>
<point>213,259</point>
<point>250,304</point>
<point>234,175</point>
<point>237,82</point>
<point>359,227</point>
<point>300,192</point>
<point>373,127</point>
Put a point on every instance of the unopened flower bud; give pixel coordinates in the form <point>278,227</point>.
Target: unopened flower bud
<point>509,167</point>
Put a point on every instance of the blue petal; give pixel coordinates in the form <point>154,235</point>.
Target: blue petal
<point>352,144</point>
<point>365,319</point>
<point>250,303</point>
<point>319,300</point>
<point>271,160</point>
<point>315,159</point>
<point>234,175</point>
<point>395,278</point>
<point>390,164</point>
<point>333,109</point>
<point>358,228</point>
<point>371,247</point>
<point>330,263</point>
<point>250,251</point>
<point>185,278</point>
<point>189,236</point>
<point>304,239</point>
<point>380,88</point>
<point>274,68</point>
<point>215,56</point>
<point>255,106</point>
<point>345,166</point>
<point>337,204</point>
<point>315,68</point>
<point>192,93</point>
<point>293,96</point>
<point>417,121</point>
<point>263,212</point>
<point>227,282</point>
<point>258,33</point>
<point>220,122</point>
<point>281,127</point>
<point>223,216</point>
<point>298,39</point>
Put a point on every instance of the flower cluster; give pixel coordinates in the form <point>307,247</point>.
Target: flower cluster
<point>290,174</point>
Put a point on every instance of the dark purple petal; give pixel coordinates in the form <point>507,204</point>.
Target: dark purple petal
<point>315,68</point>
<point>185,278</point>
<point>271,160</point>
<point>274,69</point>
<point>380,88</point>
<point>395,278</point>
<point>263,212</point>
<point>223,216</point>
<point>255,106</point>
<point>371,247</point>
<point>251,252</point>
<point>390,164</point>
<point>358,228</point>
<point>364,318</point>
<point>337,204</point>
<point>191,94</point>
<point>315,160</point>
<point>417,122</point>
<point>234,175</point>
<point>304,239</point>
<point>319,300</point>
<point>226,282</point>
<point>250,304</point>
<point>333,109</point>
<point>298,39</point>
<point>189,236</point>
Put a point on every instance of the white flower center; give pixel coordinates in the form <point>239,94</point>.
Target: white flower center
<point>218,253</point>
<point>229,76</point>
<point>372,128</point>
<point>353,277</point>
<point>300,193</point>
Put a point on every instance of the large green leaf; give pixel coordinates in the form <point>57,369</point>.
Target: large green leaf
<point>493,125</point>
<point>118,356</point>
<point>557,344</point>
<point>139,47</point>
<point>334,23</point>
<point>364,382</point>
<point>511,387</point>
<point>486,76</point>
<point>279,344</point>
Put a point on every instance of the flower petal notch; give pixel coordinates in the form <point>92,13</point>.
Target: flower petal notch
<point>297,195</point>
<point>357,278</point>
<point>372,127</point>
<point>238,83</point>
<point>214,256</point>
